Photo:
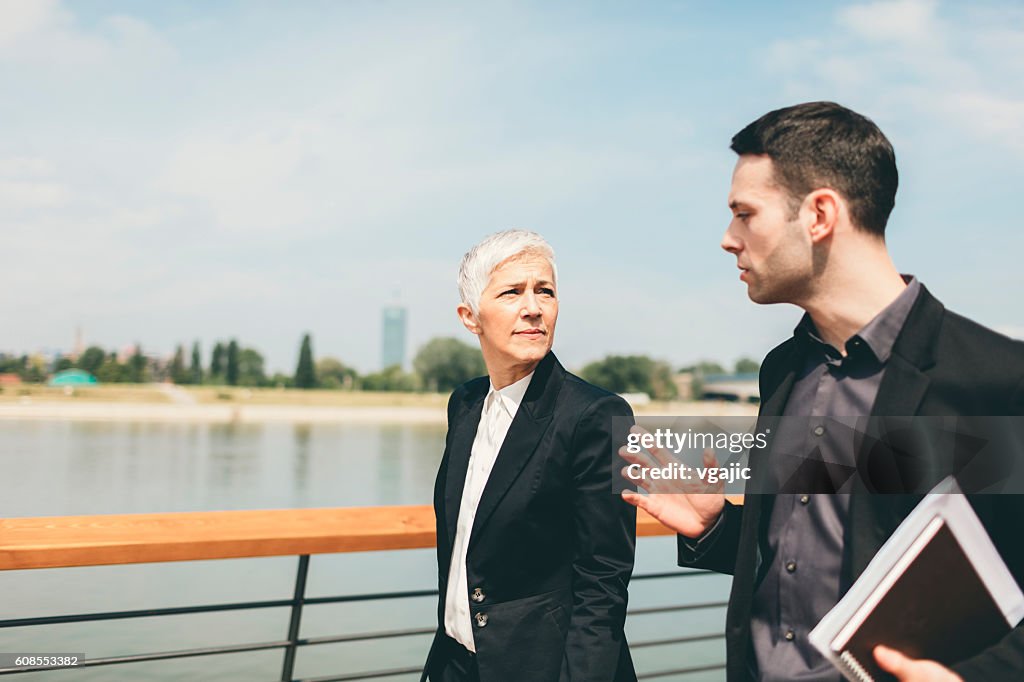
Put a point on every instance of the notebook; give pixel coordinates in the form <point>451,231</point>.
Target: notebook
<point>937,589</point>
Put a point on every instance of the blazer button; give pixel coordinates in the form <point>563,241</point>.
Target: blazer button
<point>478,595</point>
<point>481,620</point>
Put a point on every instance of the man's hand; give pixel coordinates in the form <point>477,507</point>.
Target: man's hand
<point>913,670</point>
<point>687,507</point>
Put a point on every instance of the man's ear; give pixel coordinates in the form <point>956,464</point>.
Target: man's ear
<point>468,318</point>
<point>824,205</point>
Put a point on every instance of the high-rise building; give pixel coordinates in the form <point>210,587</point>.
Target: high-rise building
<point>392,348</point>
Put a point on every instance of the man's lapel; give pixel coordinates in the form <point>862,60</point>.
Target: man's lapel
<point>461,445</point>
<point>530,423</point>
<point>903,387</point>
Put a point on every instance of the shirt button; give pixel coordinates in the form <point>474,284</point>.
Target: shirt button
<point>791,566</point>
<point>805,499</point>
<point>478,595</point>
<point>818,430</point>
<point>790,635</point>
<point>481,620</point>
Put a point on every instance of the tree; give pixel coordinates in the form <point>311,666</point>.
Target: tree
<point>111,371</point>
<point>137,366</point>
<point>63,363</point>
<point>250,367</point>
<point>178,375</point>
<point>333,373</point>
<point>232,368</point>
<point>390,379</point>
<point>747,366</point>
<point>91,359</point>
<point>444,363</point>
<point>197,365</point>
<point>217,363</point>
<point>632,374</point>
<point>305,372</point>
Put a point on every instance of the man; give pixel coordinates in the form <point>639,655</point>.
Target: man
<point>811,194</point>
<point>534,549</point>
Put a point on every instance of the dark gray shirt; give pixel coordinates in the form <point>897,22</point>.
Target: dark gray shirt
<point>805,532</point>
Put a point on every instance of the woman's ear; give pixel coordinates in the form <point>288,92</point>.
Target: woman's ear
<point>468,318</point>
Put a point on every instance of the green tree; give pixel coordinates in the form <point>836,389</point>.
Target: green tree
<point>217,363</point>
<point>632,374</point>
<point>91,359</point>
<point>196,373</point>
<point>177,369</point>
<point>747,366</point>
<point>111,371</point>
<point>444,363</point>
<point>305,372</point>
<point>137,366</point>
<point>63,363</point>
<point>333,373</point>
<point>232,369</point>
<point>390,379</point>
<point>250,368</point>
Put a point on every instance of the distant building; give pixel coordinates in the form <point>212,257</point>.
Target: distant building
<point>392,347</point>
<point>741,388</point>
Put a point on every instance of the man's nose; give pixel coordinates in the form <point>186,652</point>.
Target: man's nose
<point>730,243</point>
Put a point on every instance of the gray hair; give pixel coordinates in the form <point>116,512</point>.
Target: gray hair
<point>481,260</point>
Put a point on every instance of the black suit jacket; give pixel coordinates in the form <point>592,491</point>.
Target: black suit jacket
<point>942,365</point>
<point>551,549</point>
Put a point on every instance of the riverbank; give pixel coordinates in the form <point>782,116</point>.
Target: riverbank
<point>162,402</point>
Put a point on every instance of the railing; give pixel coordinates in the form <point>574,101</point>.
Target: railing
<point>55,542</point>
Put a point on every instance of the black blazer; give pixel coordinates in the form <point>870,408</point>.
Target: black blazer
<point>942,365</point>
<point>551,549</point>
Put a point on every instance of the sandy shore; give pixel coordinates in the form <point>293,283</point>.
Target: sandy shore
<point>174,412</point>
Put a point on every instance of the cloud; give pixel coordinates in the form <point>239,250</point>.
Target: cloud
<point>914,60</point>
<point>912,22</point>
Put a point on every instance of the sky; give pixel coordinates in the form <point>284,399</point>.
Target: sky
<point>200,171</point>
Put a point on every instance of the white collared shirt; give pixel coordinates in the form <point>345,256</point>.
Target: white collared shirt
<point>499,410</point>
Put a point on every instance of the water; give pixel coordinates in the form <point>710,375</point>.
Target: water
<point>68,468</point>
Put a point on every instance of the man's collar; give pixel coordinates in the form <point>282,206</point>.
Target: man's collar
<point>879,335</point>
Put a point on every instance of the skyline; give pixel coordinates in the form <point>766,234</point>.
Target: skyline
<point>259,171</point>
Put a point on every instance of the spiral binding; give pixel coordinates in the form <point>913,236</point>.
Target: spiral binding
<point>854,667</point>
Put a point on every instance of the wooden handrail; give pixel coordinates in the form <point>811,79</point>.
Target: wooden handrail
<point>62,541</point>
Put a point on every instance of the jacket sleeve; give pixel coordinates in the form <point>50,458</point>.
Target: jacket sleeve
<point>716,550</point>
<point>604,542</point>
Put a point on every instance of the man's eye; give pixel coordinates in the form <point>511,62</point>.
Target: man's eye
<point>547,291</point>
<point>509,291</point>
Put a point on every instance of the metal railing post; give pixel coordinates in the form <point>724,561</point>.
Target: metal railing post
<point>296,619</point>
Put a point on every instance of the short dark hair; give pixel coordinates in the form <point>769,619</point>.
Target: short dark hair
<point>823,144</point>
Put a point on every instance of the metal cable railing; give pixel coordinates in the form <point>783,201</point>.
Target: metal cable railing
<point>293,642</point>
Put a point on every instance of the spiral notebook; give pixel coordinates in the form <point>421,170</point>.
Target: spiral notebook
<point>937,589</point>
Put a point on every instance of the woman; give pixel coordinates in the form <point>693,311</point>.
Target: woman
<point>534,547</point>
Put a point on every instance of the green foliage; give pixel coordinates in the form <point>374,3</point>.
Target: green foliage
<point>217,361</point>
<point>177,368</point>
<point>231,374</point>
<point>632,374</point>
<point>747,366</point>
<point>305,372</point>
<point>250,367</point>
<point>111,371</point>
<point>391,379</point>
<point>196,371</point>
<point>91,359</point>
<point>137,373</point>
<point>62,364</point>
<point>444,363</point>
<point>333,373</point>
